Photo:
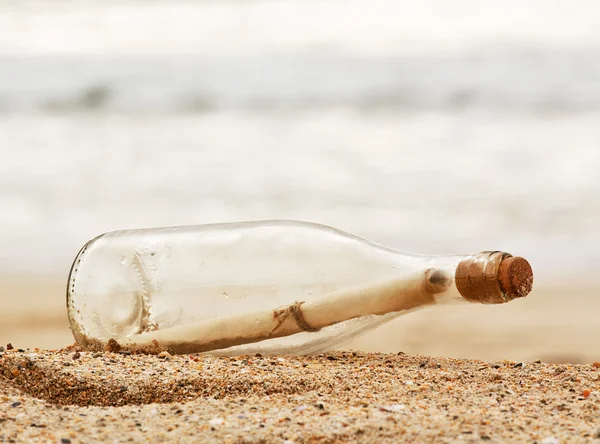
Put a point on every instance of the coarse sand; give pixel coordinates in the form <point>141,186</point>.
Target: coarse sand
<point>79,396</point>
<point>76,396</point>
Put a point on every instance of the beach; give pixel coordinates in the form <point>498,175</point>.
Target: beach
<point>424,128</point>
<point>523,371</point>
<point>333,397</point>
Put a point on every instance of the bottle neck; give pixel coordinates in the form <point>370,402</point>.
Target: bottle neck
<point>488,277</point>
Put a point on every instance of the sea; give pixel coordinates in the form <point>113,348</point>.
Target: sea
<point>431,127</point>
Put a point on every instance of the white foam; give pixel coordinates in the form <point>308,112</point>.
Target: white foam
<point>429,182</point>
<point>251,27</point>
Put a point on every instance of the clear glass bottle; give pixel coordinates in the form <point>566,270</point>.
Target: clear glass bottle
<point>132,284</point>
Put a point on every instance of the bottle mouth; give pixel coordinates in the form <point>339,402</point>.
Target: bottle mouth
<point>493,277</point>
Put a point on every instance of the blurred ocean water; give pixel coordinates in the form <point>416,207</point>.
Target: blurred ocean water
<point>431,127</point>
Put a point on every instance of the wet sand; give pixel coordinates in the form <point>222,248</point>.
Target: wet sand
<point>415,389</point>
<point>554,324</point>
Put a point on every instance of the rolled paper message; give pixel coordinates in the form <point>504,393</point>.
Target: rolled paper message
<point>405,293</point>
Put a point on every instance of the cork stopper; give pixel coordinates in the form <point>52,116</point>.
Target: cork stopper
<point>493,277</point>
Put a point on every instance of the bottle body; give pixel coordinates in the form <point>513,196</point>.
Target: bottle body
<point>125,283</point>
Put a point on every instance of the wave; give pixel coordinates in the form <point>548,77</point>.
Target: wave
<point>536,79</point>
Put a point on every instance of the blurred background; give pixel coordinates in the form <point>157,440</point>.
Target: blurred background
<point>430,127</point>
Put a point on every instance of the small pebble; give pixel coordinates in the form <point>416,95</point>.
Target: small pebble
<point>394,408</point>
<point>216,421</point>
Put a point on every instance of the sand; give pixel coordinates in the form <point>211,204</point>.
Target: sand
<point>527,374</point>
<point>337,397</point>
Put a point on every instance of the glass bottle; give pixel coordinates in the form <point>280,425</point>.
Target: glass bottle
<point>274,287</point>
